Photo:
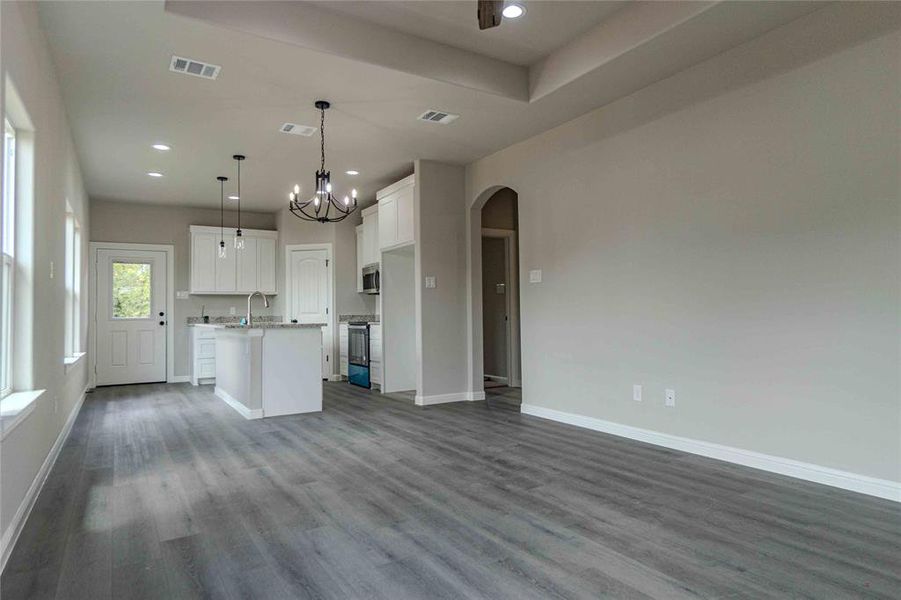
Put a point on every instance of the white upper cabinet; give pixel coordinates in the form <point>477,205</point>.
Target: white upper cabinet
<point>204,249</point>
<point>371,225</point>
<point>241,271</point>
<point>266,264</point>
<point>360,257</point>
<point>396,214</point>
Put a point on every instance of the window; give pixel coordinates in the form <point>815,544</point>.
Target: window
<point>73,284</point>
<point>131,290</point>
<point>7,241</point>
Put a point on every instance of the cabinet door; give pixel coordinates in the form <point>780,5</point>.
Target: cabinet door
<point>405,215</point>
<point>266,265</point>
<point>226,268</point>
<point>204,250</point>
<point>388,221</point>
<point>360,262</point>
<point>371,246</point>
<point>246,267</point>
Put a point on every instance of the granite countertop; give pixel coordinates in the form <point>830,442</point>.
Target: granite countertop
<point>261,325</point>
<point>358,319</point>
<point>233,319</point>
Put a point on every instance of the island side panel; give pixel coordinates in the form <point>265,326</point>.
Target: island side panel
<point>292,371</point>
<point>238,355</point>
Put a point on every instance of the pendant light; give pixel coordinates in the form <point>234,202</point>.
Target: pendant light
<point>323,206</point>
<point>239,238</point>
<point>222,180</point>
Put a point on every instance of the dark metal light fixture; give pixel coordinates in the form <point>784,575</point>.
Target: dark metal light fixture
<point>239,238</point>
<point>222,180</point>
<point>323,206</point>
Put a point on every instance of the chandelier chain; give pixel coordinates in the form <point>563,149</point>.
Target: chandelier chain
<point>322,138</point>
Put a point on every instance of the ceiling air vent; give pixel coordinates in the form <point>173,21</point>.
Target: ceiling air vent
<point>438,116</point>
<point>295,129</point>
<point>189,66</point>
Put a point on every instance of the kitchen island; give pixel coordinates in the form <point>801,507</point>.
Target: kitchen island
<point>269,369</point>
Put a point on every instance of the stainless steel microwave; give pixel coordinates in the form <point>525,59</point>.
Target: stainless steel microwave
<point>371,279</point>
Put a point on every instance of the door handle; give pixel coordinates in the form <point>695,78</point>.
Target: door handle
<point>162,313</point>
<point>162,322</point>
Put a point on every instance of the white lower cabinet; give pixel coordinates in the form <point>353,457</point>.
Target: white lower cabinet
<point>375,354</point>
<point>203,355</point>
<point>342,347</point>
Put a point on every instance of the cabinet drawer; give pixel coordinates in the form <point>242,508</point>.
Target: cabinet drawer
<point>206,368</point>
<point>206,348</point>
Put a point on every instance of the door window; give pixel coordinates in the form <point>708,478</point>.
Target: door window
<point>131,290</point>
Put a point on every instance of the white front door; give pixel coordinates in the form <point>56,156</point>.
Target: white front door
<point>311,296</point>
<point>131,317</point>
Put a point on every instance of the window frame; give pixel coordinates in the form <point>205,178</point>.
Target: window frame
<point>73,285</point>
<point>8,276</point>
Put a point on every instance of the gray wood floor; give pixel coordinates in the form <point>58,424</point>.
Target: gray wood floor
<point>162,491</point>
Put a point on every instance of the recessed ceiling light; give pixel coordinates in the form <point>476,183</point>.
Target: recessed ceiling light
<point>233,197</point>
<point>161,147</point>
<point>155,174</point>
<point>352,172</point>
<point>514,10</point>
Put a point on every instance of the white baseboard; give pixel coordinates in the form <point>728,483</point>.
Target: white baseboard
<point>179,379</point>
<point>11,535</point>
<point>496,378</point>
<point>445,398</point>
<point>239,408</point>
<point>439,399</point>
<point>334,377</point>
<point>872,486</point>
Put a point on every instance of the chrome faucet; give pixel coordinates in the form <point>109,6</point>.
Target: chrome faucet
<point>249,313</point>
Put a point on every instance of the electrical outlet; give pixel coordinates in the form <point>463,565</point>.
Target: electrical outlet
<point>231,310</point>
<point>670,398</point>
<point>636,393</point>
<point>430,282</point>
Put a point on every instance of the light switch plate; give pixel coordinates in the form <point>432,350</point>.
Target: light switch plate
<point>670,397</point>
<point>181,295</point>
<point>430,282</point>
<point>636,393</point>
<point>535,276</point>
<point>500,288</point>
<point>231,310</point>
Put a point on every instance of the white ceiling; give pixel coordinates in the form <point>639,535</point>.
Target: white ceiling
<point>113,57</point>
<point>547,25</point>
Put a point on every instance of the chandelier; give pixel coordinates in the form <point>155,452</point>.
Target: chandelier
<point>322,206</point>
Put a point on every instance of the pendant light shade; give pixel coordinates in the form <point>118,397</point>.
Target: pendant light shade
<point>239,237</point>
<point>322,206</point>
<point>222,180</point>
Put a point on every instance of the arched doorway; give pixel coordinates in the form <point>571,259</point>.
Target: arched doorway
<point>495,295</point>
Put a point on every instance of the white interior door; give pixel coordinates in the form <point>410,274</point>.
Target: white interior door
<point>311,296</point>
<point>131,316</point>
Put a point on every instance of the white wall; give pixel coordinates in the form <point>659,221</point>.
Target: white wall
<point>344,245</point>
<point>155,224</point>
<point>398,273</point>
<point>440,253</point>
<point>731,232</point>
<point>25,60</point>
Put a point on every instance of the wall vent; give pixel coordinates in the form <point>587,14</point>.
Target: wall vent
<point>189,66</point>
<point>295,129</point>
<point>438,116</point>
